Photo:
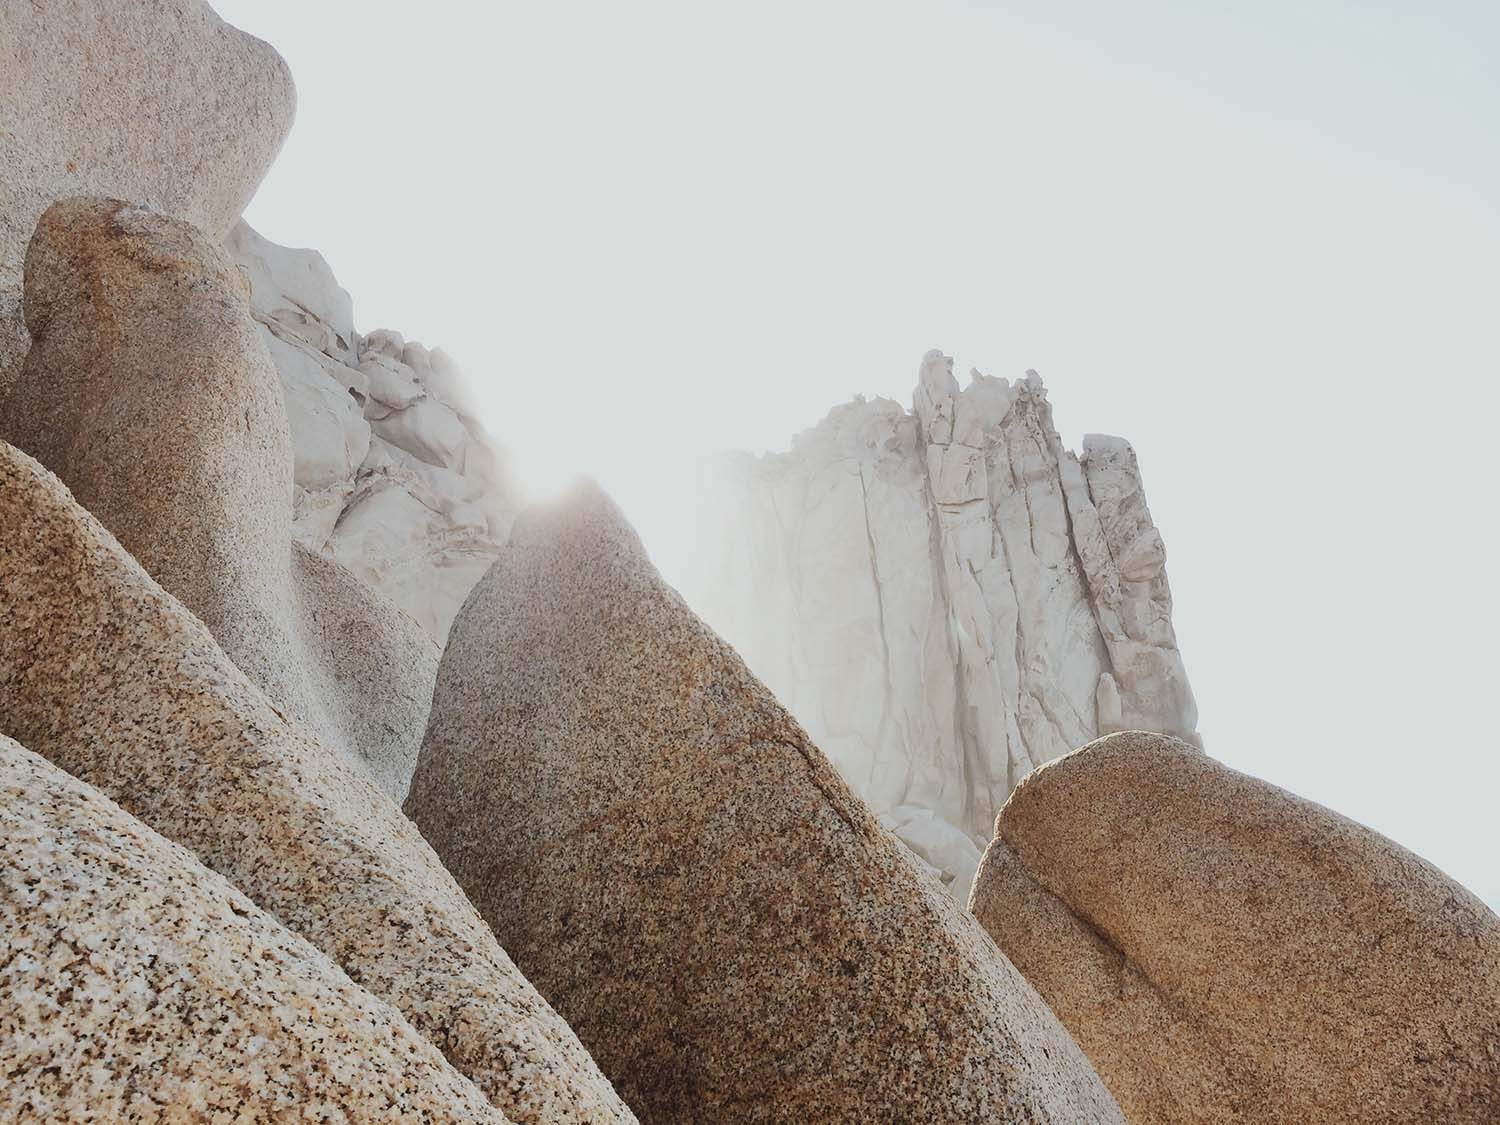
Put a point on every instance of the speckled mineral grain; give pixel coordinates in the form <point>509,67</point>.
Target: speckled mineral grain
<point>138,986</point>
<point>1225,951</point>
<point>687,879</point>
<point>163,104</point>
<point>109,678</point>
<point>149,392</point>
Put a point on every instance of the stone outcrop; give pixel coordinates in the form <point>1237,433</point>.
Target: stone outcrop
<point>686,878</point>
<point>1225,951</point>
<point>149,391</point>
<point>135,982</point>
<point>217,662</point>
<point>163,104</point>
<point>946,597</point>
<point>395,476</point>
<point>112,680</point>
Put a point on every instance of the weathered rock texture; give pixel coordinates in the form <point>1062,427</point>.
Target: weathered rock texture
<point>112,680</point>
<point>946,597</point>
<point>149,391</point>
<point>395,476</point>
<point>138,986</point>
<point>163,104</point>
<point>1225,951</point>
<point>686,878</point>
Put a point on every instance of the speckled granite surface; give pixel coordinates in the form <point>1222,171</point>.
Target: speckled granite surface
<point>163,103</point>
<point>136,985</point>
<point>112,680</point>
<point>1226,951</point>
<point>149,391</point>
<point>686,878</point>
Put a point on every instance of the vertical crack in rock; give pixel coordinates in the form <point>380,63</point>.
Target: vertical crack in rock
<point>1013,768</point>
<point>949,482</point>
<point>963,758</point>
<point>885,645</point>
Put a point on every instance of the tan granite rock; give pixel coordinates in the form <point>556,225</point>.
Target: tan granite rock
<point>139,986</point>
<point>1226,951</point>
<point>109,678</point>
<point>149,391</point>
<point>163,104</point>
<point>686,878</point>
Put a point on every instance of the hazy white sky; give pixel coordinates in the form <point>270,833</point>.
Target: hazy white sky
<point>1259,240</point>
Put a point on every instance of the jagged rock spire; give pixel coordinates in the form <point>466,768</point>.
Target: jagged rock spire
<point>946,597</point>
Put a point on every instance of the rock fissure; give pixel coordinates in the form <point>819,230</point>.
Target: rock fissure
<point>875,583</point>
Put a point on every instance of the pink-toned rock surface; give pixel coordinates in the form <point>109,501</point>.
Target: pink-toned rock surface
<point>136,985</point>
<point>109,678</point>
<point>1226,951</point>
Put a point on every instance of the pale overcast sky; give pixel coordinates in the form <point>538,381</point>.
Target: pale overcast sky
<point>1259,240</point>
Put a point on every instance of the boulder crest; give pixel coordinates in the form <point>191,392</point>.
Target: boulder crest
<point>1225,951</point>
<point>163,104</point>
<point>683,874</point>
<point>110,678</point>
<point>394,475</point>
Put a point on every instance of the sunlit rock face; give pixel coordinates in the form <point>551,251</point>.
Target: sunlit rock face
<point>395,476</point>
<point>112,679</point>
<point>162,104</point>
<point>946,597</point>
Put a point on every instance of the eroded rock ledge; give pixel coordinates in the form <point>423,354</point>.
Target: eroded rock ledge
<point>395,476</point>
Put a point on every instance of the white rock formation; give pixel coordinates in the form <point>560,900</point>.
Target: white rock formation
<point>395,476</point>
<point>946,598</point>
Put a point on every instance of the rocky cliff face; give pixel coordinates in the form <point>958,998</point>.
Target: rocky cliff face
<point>395,476</point>
<point>946,597</point>
<point>213,908</point>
